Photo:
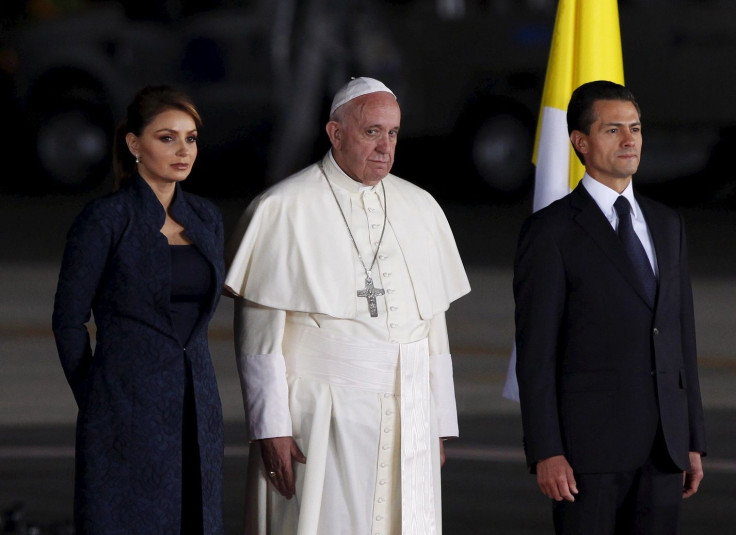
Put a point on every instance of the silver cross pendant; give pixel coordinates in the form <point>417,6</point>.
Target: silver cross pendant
<point>370,292</point>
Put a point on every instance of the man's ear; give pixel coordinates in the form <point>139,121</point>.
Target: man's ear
<point>334,132</point>
<point>580,141</point>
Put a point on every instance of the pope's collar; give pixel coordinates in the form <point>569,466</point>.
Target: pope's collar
<point>341,179</point>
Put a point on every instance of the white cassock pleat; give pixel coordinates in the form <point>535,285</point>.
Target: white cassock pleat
<point>417,497</point>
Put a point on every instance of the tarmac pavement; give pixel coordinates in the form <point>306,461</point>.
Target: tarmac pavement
<point>486,489</point>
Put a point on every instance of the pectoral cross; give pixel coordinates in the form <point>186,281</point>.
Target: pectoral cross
<point>370,292</point>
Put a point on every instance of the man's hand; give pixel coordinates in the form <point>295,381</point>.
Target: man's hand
<point>692,478</point>
<point>277,456</point>
<point>442,452</point>
<point>555,478</point>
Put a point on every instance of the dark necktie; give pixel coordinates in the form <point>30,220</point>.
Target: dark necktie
<point>635,249</point>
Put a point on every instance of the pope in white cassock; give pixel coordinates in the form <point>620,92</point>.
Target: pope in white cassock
<point>342,275</point>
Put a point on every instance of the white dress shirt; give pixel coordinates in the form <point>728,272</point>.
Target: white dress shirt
<point>605,197</point>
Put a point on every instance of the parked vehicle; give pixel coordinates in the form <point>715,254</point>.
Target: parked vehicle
<point>469,79</point>
<point>477,80</point>
<point>263,76</point>
<point>77,72</point>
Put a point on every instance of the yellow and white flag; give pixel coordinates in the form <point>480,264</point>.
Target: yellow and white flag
<point>586,46</point>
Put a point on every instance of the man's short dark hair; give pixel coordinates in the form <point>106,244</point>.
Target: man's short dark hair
<point>580,109</point>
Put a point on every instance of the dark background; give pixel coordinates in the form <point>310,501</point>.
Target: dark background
<point>469,76</point>
<point>468,73</point>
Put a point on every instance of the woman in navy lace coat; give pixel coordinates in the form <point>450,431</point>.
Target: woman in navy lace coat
<point>147,262</point>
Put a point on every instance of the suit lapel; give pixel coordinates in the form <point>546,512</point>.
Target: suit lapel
<point>595,224</point>
<point>666,250</point>
<point>153,248</point>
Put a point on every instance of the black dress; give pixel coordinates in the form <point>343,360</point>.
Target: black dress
<point>190,285</point>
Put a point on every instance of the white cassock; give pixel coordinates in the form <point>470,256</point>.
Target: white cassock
<point>366,398</point>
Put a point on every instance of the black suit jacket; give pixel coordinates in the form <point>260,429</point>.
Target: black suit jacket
<point>598,368</point>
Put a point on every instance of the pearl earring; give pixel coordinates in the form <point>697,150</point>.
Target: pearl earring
<point>137,159</point>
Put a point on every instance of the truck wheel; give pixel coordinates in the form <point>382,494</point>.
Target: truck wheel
<point>500,152</point>
<point>73,146</point>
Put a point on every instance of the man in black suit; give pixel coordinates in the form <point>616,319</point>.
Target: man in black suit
<point>605,338</point>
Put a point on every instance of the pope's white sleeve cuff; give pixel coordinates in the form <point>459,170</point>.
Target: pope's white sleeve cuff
<point>265,395</point>
<point>443,394</point>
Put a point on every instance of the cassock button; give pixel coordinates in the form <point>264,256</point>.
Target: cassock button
<point>655,331</point>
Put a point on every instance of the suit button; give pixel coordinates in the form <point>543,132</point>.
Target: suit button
<point>655,331</point>
<point>653,373</point>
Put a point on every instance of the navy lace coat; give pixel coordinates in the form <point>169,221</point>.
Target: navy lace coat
<point>130,388</point>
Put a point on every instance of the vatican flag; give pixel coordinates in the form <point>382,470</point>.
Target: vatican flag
<point>586,46</point>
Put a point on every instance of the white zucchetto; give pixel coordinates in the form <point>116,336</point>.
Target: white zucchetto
<point>357,87</point>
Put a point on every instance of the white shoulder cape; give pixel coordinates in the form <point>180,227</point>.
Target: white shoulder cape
<point>291,250</point>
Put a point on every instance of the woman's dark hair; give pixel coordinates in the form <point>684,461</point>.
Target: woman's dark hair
<point>146,105</point>
<point>580,109</point>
